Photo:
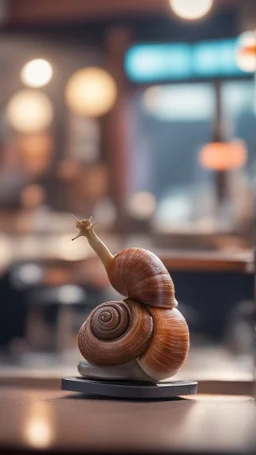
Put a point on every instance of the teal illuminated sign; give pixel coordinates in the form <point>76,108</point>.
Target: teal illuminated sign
<point>158,62</point>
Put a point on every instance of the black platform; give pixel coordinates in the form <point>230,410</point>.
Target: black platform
<point>129,390</point>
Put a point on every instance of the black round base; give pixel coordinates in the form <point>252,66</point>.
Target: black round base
<point>129,390</point>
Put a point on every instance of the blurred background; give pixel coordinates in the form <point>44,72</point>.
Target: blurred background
<point>141,114</point>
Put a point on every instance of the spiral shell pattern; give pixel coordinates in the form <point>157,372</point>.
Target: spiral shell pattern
<point>115,333</point>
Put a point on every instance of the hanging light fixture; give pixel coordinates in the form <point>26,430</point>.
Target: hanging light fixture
<point>223,156</point>
<point>191,9</point>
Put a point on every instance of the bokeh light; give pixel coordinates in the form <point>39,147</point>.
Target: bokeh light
<point>220,156</point>
<point>32,196</point>
<point>191,9</point>
<point>69,169</point>
<point>35,152</point>
<point>91,92</point>
<point>246,51</point>
<point>38,429</point>
<point>36,73</point>
<point>29,111</point>
<point>142,205</point>
<point>180,102</point>
<point>38,433</point>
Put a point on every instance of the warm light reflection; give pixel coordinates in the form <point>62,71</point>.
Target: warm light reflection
<point>191,9</point>
<point>36,73</point>
<point>38,429</point>
<point>29,111</point>
<point>38,432</point>
<point>91,92</point>
<point>142,205</point>
<point>222,156</point>
<point>246,51</point>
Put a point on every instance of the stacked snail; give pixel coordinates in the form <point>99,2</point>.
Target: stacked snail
<point>146,327</point>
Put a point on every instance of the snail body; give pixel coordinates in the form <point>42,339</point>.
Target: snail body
<point>146,327</point>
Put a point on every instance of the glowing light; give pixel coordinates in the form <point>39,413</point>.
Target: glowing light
<point>220,156</point>
<point>142,205</point>
<point>180,101</point>
<point>160,62</point>
<point>38,432</point>
<point>246,51</point>
<point>91,92</point>
<point>147,62</point>
<point>191,9</point>
<point>29,111</point>
<point>36,73</point>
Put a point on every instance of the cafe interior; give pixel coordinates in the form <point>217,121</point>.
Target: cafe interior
<point>140,114</point>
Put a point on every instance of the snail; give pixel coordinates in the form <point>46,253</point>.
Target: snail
<point>145,327</point>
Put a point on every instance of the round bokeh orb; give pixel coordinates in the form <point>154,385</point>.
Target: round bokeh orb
<point>29,111</point>
<point>36,73</point>
<point>191,9</point>
<point>141,205</point>
<point>91,92</point>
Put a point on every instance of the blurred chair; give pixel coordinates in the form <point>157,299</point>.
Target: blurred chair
<point>54,316</point>
<point>42,308</point>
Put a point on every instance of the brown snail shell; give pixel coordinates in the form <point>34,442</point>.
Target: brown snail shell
<point>115,333</point>
<point>157,337</point>
<point>140,275</point>
<point>146,327</point>
<point>168,348</point>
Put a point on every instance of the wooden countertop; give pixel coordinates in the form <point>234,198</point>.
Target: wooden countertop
<point>215,261</point>
<point>64,422</point>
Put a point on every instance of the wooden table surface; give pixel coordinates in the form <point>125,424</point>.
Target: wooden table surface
<point>64,422</point>
<point>214,261</point>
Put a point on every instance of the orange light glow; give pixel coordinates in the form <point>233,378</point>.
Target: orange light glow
<point>35,152</point>
<point>220,156</point>
<point>246,51</point>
